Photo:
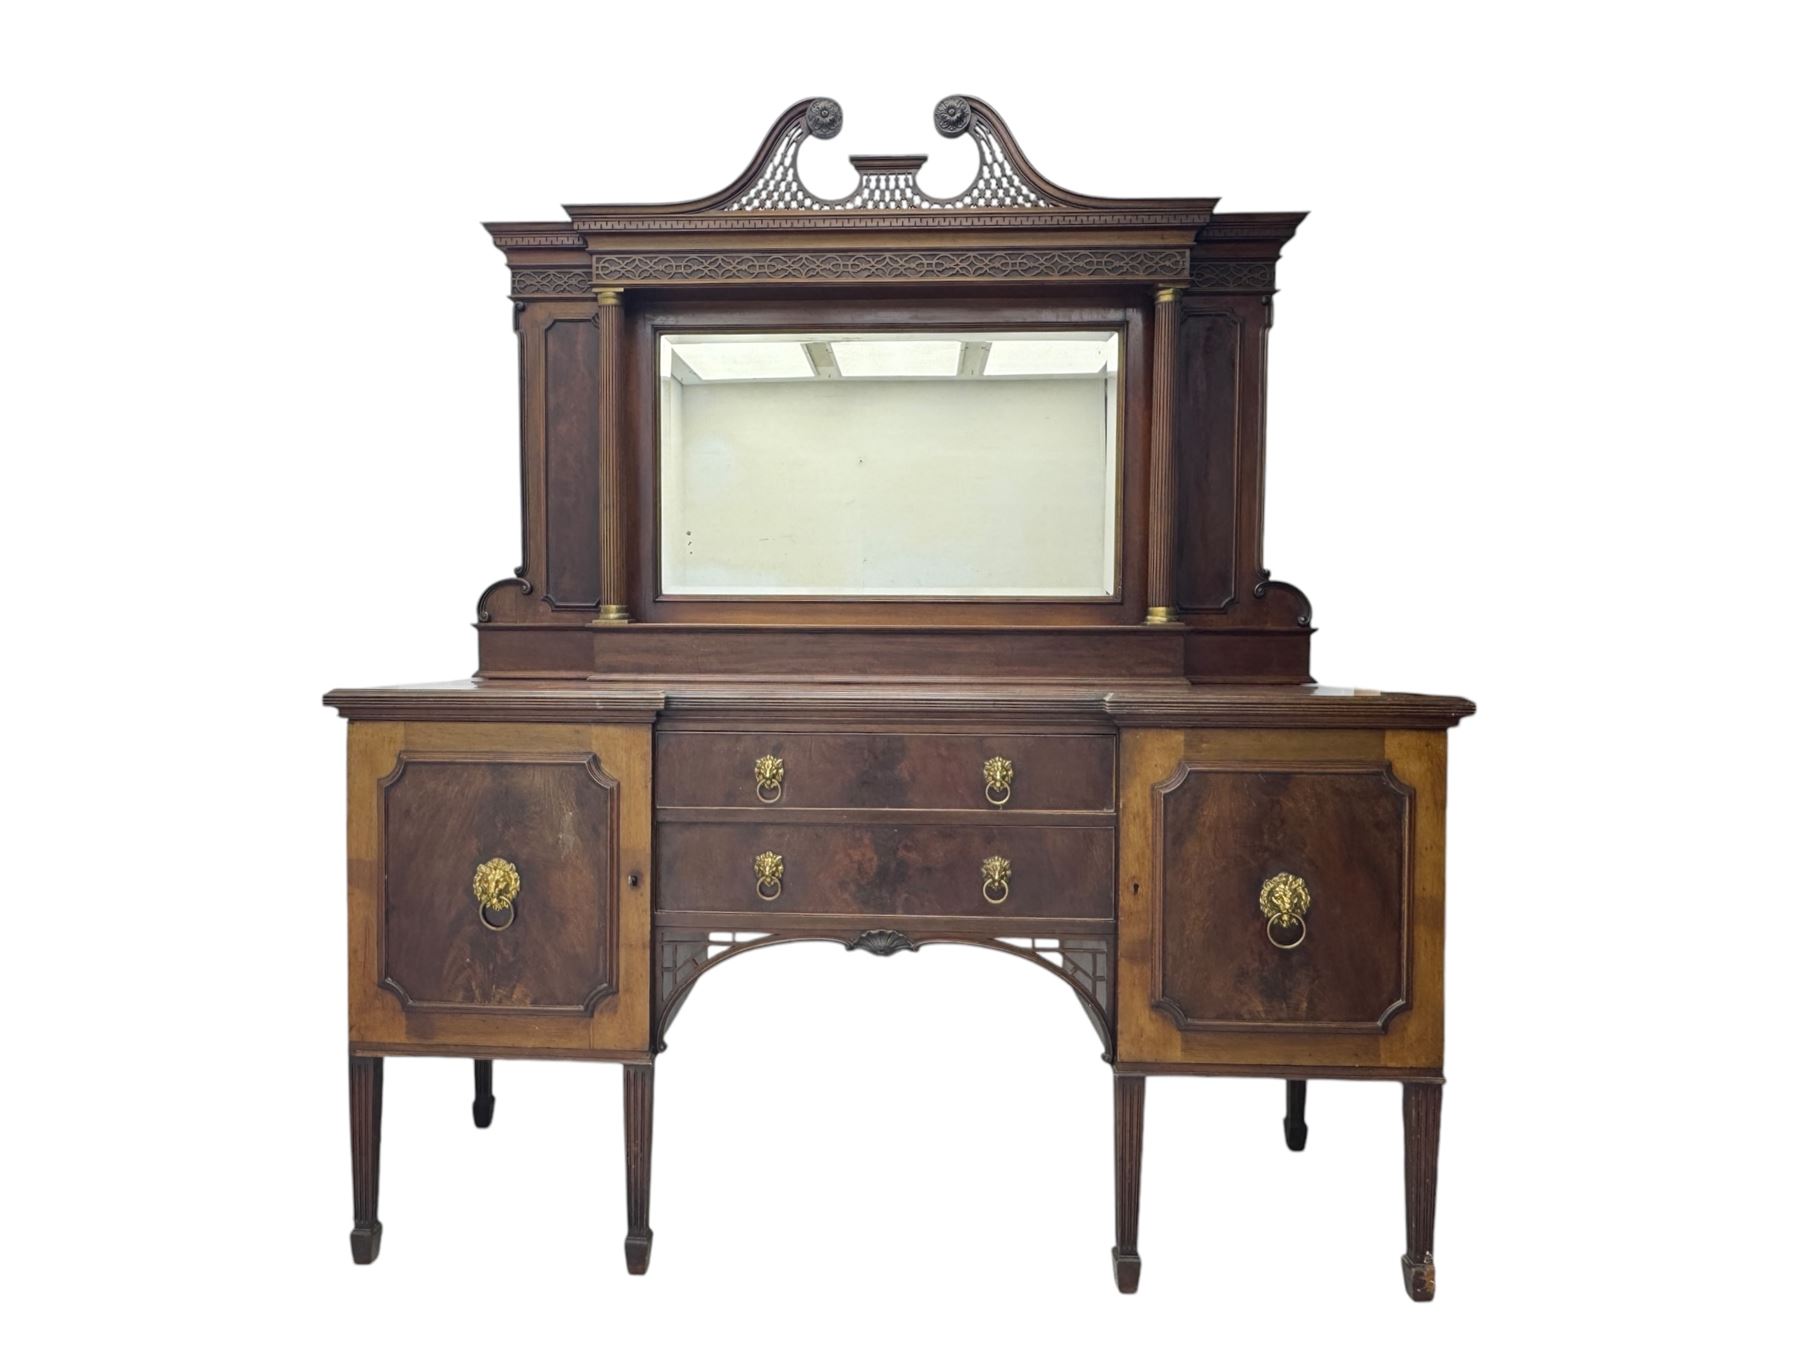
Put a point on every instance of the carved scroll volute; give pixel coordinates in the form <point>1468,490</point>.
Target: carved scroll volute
<point>1161,580</point>
<point>890,183</point>
<point>609,317</point>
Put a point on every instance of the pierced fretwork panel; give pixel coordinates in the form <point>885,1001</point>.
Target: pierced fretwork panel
<point>1087,962</point>
<point>997,182</point>
<point>683,955</point>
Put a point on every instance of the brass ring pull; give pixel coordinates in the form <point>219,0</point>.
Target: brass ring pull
<point>998,776</point>
<point>769,774</point>
<point>1285,900</point>
<point>768,876</point>
<point>1287,946</point>
<point>996,874</point>
<point>496,886</point>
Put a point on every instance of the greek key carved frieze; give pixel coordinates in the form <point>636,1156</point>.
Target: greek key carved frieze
<point>1167,264</point>
<point>539,240</point>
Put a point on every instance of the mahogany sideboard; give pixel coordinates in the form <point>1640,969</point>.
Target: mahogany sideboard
<point>893,576</point>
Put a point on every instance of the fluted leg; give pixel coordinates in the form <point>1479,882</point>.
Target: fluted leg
<point>365,1156</point>
<point>640,1083</point>
<point>1294,1124</point>
<point>1422,1106</point>
<point>1128,1171</point>
<point>483,1105</point>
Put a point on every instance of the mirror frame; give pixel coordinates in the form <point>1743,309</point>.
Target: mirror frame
<point>1117,571</point>
<point>843,312</point>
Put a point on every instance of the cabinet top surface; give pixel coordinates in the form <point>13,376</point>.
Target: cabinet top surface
<point>1157,703</point>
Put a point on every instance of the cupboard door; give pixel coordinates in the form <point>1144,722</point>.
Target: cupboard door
<point>1284,897</point>
<point>1281,900</point>
<point>500,888</point>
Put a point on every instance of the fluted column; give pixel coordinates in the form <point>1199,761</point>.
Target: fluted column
<point>610,318</point>
<point>1160,598</point>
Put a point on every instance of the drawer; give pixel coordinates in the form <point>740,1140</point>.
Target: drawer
<point>1049,871</point>
<point>874,770</point>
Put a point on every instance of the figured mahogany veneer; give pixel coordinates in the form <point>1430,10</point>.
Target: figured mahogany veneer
<point>1166,751</point>
<point>569,808</point>
<point>1058,871</point>
<point>554,817</point>
<point>848,770</point>
<point>1221,831</point>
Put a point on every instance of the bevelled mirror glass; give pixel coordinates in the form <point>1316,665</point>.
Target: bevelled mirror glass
<point>889,464</point>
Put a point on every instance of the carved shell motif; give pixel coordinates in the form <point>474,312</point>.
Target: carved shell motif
<point>882,941</point>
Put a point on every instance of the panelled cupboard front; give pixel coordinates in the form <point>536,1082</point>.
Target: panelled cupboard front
<point>893,577</point>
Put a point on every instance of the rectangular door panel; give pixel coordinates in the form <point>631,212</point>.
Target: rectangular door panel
<point>531,836</point>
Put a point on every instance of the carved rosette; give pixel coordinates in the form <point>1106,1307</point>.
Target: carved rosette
<point>824,118</point>
<point>952,115</point>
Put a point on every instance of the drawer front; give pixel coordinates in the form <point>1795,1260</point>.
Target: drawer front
<point>874,770</point>
<point>1285,897</point>
<point>532,835</point>
<point>936,870</point>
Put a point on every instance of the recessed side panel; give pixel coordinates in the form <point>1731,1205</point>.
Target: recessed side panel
<point>572,461</point>
<point>1206,454</point>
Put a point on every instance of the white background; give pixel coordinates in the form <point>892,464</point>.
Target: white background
<point>1530,441</point>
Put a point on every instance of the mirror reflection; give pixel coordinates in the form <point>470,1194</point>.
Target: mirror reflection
<point>889,464</point>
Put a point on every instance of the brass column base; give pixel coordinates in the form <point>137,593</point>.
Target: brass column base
<point>1161,614</point>
<point>613,614</point>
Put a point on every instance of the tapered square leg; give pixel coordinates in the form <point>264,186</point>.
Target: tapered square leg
<point>1421,1105</point>
<point>1128,1171</point>
<point>365,1156</point>
<point>483,1106</point>
<point>640,1084</point>
<point>1294,1124</point>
